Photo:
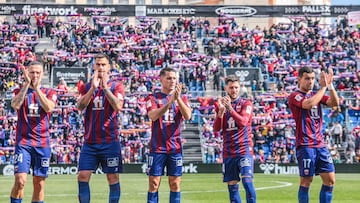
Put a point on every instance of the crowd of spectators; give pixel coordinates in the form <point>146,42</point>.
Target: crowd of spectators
<point>139,51</point>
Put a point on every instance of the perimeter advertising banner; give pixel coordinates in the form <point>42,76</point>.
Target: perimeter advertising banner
<point>246,75</point>
<point>267,168</point>
<point>71,75</point>
<point>176,10</point>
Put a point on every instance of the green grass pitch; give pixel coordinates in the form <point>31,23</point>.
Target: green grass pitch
<point>196,188</point>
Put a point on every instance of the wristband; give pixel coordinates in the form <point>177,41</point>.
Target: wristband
<point>331,87</point>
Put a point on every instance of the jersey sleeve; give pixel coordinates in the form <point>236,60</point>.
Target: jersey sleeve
<point>119,91</point>
<point>16,91</point>
<point>186,101</point>
<point>324,99</point>
<point>150,103</point>
<point>296,99</point>
<point>82,89</point>
<point>52,95</point>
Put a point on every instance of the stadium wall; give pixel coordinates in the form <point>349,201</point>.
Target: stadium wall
<point>281,169</point>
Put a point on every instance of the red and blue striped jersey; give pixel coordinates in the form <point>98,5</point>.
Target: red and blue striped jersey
<point>33,121</point>
<point>165,137</point>
<point>236,131</point>
<point>101,122</point>
<point>308,121</point>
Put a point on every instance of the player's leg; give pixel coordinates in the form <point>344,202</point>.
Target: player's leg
<point>88,163</point>
<point>306,161</point>
<point>325,167</point>
<point>22,161</point>
<point>114,186</point>
<point>246,166</point>
<point>38,193</point>
<point>83,185</point>
<point>41,158</point>
<point>231,177</point>
<point>112,165</point>
<point>17,192</point>
<point>156,164</point>
<point>174,165</point>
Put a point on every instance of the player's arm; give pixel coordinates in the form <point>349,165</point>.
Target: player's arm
<point>241,118</point>
<point>184,108</point>
<point>115,102</point>
<point>220,110</point>
<point>18,100</point>
<point>315,100</point>
<point>155,114</point>
<point>85,99</point>
<point>334,98</point>
<point>47,104</point>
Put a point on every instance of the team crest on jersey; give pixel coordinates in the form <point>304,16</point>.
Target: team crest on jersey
<point>98,103</point>
<point>298,97</point>
<point>113,162</point>
<point>33,110</point>
<point>231,124</point>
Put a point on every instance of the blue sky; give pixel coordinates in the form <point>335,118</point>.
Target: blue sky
<point>345,2</point>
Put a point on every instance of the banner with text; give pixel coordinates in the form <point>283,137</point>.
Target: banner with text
<point>267,168</point>
<point>71,75</point>
<point>176,10</point>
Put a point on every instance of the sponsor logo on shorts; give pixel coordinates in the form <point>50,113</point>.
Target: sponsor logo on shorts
<point>179,162</point>
<point>245,162</point>
<point>113,162</point>
<point>45,162</point>
<point>306,172</point>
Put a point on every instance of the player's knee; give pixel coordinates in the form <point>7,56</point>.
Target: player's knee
<point>20,183</point>
<point>330,182</point>
<point>153,185</point>
<point>174,186</point>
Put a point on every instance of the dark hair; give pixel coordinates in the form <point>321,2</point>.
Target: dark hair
<point>305,69</point>
<point>231,78</point>
<point>35,63</point>
<point>101,55</point>
<point>167,69</point>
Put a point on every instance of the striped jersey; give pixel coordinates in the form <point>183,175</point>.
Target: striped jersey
<point>308,122</point>
<point>165,131</point>
<point>237,134</point>
<point>101,123</point>
<point>33,122</point>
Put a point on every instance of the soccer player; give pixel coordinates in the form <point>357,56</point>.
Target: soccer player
<point>33,104</point>
<point>102,100</point>
<point>166,109</point>
<point>311,151</point>
<point>233,119</point>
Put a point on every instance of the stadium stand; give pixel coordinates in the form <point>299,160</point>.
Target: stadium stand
<point>203,53</point>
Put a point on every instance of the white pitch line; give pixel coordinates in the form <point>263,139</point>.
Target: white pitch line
<point>283,184</point>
